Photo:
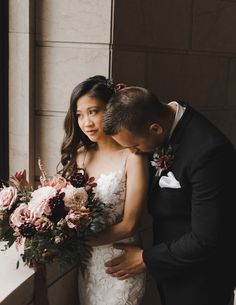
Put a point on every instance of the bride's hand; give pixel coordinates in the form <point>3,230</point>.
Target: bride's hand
<point>128,264</point>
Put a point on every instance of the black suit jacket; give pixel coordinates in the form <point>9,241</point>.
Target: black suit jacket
<point>194,226</point>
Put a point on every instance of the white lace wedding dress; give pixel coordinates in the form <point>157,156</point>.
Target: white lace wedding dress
<point>96,287</point>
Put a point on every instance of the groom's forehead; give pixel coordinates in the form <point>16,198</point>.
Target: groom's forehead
<point>126,137</point>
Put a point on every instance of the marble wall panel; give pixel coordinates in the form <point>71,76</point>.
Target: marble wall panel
<point>74,20</point>
<point>224,120</point>
<point>199,80</point>
<point>129,67</point>
<point>48,137</point>
<point>16,284</point>
<point>232,83</point>
<point>21,16</point>
<point>55,271</point>
<point>22,295</point>
<point>164,24</point>
<point>20,100</point>
<point>60,69</point>
<point>68,284</point>
<point>214,25</point>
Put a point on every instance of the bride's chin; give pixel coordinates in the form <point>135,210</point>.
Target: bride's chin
<point>92,138</point>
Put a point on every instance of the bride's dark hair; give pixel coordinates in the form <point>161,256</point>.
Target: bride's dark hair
<point>98,87</point>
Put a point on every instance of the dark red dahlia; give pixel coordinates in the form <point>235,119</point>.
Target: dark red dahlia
<point>57,201</point>
<point>27,229</point>
<point>58,208</point>
<point>77,180</point>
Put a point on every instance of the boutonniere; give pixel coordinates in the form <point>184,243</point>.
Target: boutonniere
<point>162,159</point>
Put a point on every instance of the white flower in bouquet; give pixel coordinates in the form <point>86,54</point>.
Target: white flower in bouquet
<point>75,197</point>
<point>39,203</point>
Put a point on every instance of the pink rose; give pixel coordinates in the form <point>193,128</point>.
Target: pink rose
<point>58,182</point>
<point>79,219</point>
<point>20,216</point>
<point>8,196</point>
<point>43,224</point>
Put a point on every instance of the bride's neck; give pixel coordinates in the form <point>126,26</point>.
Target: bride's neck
<point>108,144</point>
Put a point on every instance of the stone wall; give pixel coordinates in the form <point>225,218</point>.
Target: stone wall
<point>181,49</point>
<point>72,43</point>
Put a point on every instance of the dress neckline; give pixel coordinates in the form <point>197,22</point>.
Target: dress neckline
<point>109,173</point>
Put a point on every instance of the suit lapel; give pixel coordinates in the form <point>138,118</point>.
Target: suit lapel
<point>180,128</point>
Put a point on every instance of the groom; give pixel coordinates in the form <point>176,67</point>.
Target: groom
<point>192,199</point>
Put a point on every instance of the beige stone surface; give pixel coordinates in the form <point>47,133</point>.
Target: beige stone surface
<point>214,25</point>
<point>48,138</point>
<point>21,16</point>
<point>232,83</point>
<point>156,23</point>
<point>224,120</point>
<point>20,102</point>
<point>64,290</point>
<point>129,67</point>
<point>74,20</point>
<point>16,284</point>
<point>198,80</point>
<point>60,69</point>
<point>22,295</point>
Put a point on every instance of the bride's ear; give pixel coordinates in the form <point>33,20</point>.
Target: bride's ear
<point>155,128</point>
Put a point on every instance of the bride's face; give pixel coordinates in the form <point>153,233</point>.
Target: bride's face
<point>89,112</point>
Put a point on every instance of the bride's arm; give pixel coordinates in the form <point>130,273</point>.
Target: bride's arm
<point>136,196</point>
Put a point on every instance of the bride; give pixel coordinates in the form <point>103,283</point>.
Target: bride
<point>121,178</point>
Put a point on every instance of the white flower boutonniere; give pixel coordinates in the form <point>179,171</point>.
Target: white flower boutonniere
<point>162,159</point>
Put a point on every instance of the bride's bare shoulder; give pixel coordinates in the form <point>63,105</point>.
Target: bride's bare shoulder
<point>134,159</point>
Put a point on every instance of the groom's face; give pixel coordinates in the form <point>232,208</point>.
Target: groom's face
<point>136,144</point>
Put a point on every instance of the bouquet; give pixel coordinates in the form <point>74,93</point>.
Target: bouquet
<point>53,221</point>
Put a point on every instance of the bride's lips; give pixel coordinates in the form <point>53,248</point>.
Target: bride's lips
<point>90,132</point>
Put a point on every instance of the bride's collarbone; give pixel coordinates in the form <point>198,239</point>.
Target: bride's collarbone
<point>97,163</point>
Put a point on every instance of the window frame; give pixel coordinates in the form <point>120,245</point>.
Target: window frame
<point>4,93</point>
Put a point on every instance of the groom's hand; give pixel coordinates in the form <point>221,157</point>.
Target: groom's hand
<point>129,263</point>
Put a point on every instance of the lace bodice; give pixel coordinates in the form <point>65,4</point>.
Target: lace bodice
<point>111,190</point>
<point>96,287</point>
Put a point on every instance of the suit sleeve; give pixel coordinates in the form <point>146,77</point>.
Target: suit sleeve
<point>207,177</point>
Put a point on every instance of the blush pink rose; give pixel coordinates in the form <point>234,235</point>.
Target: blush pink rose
<point>8,196</point>
<point>58,182</point>
<point>20,216</point>
<point>79,219</point>
<point>43,224</point>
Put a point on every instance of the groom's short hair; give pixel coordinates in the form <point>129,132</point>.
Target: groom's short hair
<point>133,108</point>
